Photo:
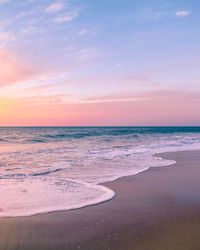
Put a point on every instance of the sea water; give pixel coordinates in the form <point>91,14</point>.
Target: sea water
<point>45,169</point>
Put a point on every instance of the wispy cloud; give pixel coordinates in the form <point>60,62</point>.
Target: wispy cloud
<point>152,15</point>
<point>30,30</point>
<point>182,13</point>
<point>83,32</point>
<point>123,97</point>
<point>11,69</point>
<point>54,7</point>
<point>67,17</point>
<point>87,53</point>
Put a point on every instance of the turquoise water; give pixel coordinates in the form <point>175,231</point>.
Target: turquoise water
<point>45,169</point>
<point>47,134</point>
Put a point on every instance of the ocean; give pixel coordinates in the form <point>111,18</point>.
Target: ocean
<point>45,169</point>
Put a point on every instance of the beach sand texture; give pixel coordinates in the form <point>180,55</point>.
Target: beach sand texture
<point>158,209</point>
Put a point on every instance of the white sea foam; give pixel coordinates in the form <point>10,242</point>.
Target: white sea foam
<point>33,196</point>
<point>61,175</point>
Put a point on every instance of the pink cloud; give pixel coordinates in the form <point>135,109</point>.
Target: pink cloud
<point>12,69</point>
<point>54,7</point>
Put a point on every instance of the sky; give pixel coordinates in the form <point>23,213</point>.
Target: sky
<point>99,63</point>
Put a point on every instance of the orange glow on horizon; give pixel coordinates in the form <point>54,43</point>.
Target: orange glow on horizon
<point>158,109</point>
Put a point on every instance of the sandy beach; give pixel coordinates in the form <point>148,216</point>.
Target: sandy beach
<point>157,209</point>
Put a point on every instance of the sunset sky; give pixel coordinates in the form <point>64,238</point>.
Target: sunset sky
<point>106,62</point>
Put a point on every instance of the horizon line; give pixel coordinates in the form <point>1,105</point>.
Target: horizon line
<point>91,126</point>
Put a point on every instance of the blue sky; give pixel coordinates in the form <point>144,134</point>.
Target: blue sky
<point>75,51</point>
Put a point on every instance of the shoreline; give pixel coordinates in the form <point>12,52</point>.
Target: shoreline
<point>147,205</point>
<point>108,196</point>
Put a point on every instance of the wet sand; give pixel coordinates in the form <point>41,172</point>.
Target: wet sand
<point>158,209</point>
